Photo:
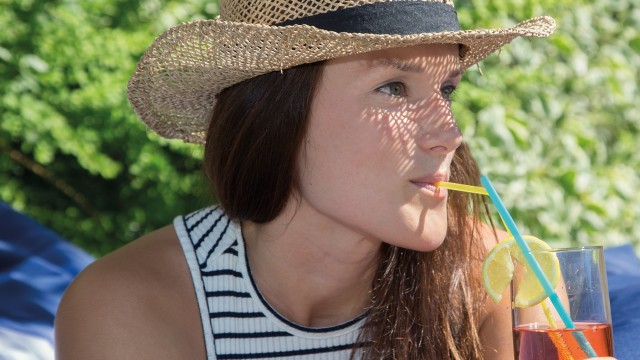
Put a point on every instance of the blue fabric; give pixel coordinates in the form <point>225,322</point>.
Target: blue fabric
<point>36,266</point>
<point>623,274</point>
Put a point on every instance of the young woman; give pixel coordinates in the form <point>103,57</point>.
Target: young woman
<point>326,125</point>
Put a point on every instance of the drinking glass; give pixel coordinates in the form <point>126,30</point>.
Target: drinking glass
<point>541,334</point>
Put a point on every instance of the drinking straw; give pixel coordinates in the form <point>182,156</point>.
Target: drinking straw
<point>537,270</point>
<point>462,187</point>
<point>563,349</point>
<point>465,188</point>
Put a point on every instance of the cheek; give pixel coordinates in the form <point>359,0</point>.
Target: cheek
<point>345,164</point>
<point>395,138</point>
<point>346,135</point>
<point>397,129</point>
<point>330,148</point>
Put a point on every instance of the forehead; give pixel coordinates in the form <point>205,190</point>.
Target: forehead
<point>427,58</point>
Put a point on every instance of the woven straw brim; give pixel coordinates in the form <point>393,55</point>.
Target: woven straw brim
<point>174,86</point>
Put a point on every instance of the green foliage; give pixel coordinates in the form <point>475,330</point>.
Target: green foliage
<point>553,122</point>
<point>73,154</point>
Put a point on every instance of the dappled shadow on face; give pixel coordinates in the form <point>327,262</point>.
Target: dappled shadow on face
<point>419,125</point>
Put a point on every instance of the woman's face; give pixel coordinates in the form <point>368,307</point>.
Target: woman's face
<point>381,133</point>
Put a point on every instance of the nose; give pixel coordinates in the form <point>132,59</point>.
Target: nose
<point>439,133</point>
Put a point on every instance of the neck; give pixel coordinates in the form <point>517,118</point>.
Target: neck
<point>310,270</point>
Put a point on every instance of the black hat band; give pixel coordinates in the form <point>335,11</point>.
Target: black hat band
<point>390,18</point>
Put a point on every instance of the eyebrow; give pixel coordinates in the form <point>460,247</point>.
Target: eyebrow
<point>398,64</point>
<point>456,72</point>
<point>408,66</point>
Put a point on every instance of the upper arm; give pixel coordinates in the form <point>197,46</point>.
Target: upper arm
<point>124,307</point>
<point>496,333</point>
<point>98,318</point>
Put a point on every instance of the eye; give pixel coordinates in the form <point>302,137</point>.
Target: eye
<point>395,88</point>
<point>447,92</point>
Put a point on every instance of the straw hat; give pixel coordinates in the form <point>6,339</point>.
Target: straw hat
<point>174,86</point>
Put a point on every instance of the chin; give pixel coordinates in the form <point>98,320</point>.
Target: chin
<point>420,229</point>
<point>429,245</point>
<point>429,238</point>
<point>423,243</point>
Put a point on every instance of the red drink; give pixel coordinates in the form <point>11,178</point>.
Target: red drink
<point>543,343</point>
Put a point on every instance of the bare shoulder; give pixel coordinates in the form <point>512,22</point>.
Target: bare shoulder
<point>137,302</point>
<point>491,236</point>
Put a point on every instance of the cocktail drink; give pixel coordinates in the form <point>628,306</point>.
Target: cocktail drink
<point>560,298</point>
<point>539,331</point>
<point>545,343</point>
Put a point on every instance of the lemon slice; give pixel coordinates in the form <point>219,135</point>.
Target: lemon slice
<point>498,268</point>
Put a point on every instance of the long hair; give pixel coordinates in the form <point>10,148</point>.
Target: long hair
<point>432,298</point>
<point>423,305</point>
<point>253,140</point>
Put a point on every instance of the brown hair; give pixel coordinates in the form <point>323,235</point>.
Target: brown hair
<point>423,305</point>
<point>256,132</point>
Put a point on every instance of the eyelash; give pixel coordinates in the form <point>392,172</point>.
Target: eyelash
<point>447,92</point>
<point>403,88</point>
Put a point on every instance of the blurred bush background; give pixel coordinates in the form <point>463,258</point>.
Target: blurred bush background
<point>553,122</point>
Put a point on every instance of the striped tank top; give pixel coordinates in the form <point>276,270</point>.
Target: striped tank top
<point>237,321</point>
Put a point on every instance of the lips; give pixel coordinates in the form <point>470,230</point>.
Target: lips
<point>427,184</point>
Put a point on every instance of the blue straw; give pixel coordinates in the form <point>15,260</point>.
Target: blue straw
<point>537,270</point>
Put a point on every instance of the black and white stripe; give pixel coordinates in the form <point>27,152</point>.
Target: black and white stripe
<point>237,321</point>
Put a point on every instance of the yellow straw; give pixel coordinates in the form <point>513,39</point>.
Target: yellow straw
<point>462,187</point>
<point>468,189</point>
<point>563,349</point>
